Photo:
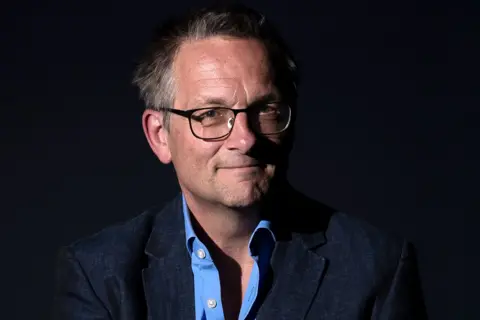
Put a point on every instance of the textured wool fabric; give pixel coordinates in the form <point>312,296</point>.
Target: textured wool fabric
<point>325,265</point>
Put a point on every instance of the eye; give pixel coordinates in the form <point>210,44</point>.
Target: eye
<point>212,113</point>
<point>211,116</point>
<point>268,109</point>
<point>206,114</point>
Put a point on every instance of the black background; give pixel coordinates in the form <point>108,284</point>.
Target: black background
<point>387,129</point>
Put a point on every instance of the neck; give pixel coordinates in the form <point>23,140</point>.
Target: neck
<point>225,231</point>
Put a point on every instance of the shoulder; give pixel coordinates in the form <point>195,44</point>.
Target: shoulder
<point>359,233</point>
<point>342,228</point>
<point>350,240</point>
<point>360,251</point>
<point>117,247</point>
<point>117,237</point>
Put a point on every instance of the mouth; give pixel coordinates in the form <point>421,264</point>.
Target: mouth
<point>246,173</point>
<point>245,167</point>
<point>242,167</point>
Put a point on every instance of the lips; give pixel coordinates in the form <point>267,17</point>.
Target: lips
<point>241,164</point>
<point>240,167</point>
<point>244,166</point>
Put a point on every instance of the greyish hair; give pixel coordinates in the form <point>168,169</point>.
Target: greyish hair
<point>154,73</point>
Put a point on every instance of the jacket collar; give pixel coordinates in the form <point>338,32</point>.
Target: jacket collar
<point>167,237</point>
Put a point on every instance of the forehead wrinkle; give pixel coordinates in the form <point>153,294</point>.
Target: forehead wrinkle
<point>221,89</point>
<point>208,67</point>
<point>253,80</point>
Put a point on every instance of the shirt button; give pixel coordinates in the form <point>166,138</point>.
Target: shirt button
<point>211,303</point>
<point>201,253</point>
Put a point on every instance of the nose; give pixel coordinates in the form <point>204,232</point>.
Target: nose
<point>241,137</point>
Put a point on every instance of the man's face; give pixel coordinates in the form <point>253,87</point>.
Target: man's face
<point>233,171</point>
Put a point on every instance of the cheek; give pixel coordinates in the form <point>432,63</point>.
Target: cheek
<point>192,154</point>
<point>204,153</point>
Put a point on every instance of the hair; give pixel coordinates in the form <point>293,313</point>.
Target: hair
<point>154,73</point>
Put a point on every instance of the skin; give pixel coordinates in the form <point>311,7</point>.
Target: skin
<point>224,182</point>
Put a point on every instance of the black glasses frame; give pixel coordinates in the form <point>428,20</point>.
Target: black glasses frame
<point>188,114</point>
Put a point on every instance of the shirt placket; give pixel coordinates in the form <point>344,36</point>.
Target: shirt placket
<point>210,282</point>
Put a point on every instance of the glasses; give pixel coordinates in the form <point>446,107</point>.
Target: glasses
<point>217,122</point>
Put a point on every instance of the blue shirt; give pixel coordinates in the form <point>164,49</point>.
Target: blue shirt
<point>208,301</point>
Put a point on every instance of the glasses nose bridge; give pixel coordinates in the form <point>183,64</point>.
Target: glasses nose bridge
<point>237,111</point>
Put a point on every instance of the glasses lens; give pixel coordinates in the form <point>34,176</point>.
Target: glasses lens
<point>270,118</point>
<point>212,123</point>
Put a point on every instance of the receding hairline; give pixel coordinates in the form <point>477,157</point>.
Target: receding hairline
<point>193,42</point>
<point>184,43</point>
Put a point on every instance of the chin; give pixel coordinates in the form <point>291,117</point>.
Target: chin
<point>244,195</point>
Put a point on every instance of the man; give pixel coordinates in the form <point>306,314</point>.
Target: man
<point>238,242</point>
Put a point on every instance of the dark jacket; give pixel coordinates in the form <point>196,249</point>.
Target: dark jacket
<point>326,265</point>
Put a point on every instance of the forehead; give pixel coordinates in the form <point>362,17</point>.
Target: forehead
<point>219,65</point>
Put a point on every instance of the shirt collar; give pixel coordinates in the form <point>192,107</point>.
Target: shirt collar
<point>262,237</point>
<point>262,233</point>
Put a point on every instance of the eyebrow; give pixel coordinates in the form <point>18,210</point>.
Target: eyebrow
<point>269,97</point>
<point>212,100</point>
<point>266,98</point>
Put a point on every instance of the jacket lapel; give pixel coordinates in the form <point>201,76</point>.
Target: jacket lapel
<point>297,268</point>
<point>168,279</point>
<point>297,274</point>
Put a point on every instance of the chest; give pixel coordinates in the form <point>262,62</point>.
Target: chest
<point>226,290</point>
<point>237,289</point>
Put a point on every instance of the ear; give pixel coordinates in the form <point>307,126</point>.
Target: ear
<point>157,134</point>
